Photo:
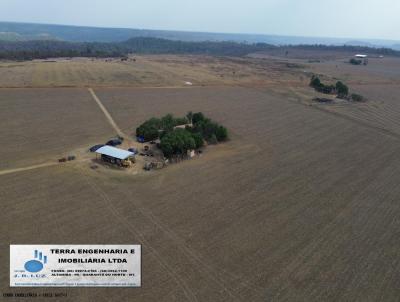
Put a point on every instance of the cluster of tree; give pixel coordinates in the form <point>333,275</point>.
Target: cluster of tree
<point>355,61</point>
<point>177,141</point>
<point>211,131</point>
<point>152,128</point>
<point>356,97</point>
<point>28,50</point>
<point>320,87</point>
<point>340,89</point>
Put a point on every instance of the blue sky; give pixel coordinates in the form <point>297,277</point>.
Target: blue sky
<point>326,18</point>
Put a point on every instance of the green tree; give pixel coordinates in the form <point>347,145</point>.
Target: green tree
<point>168,122</point>
<point>213,140</point>
<point>189,116</point>
<point>356,97</point>
<point>197,117</point>
<point>221,133</point>
<point>198,139</point>
<point>149,129</point>
<point>181,121</point>
<point>342,90</point>
<point>177,142</point>
<point>315,82</point>
<point>355,61</point>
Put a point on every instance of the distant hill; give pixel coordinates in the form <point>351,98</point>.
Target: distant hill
<point>13,36</point>
<point>26,31</point>
<point>359,43</point>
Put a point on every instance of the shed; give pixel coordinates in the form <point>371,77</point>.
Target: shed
<point>115,155</point>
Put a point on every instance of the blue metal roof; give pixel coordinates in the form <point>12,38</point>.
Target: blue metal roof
<point>114,152</point>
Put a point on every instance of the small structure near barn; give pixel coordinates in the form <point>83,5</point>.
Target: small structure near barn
<point>190,125</point>
<point>191,153</point>
<point>116,156</point>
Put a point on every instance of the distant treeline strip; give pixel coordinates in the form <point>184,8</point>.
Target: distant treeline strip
<point>348,48</point>
<point>43,49</point>
<point>27,50</point>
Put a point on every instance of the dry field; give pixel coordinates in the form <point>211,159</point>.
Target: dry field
<point>336,66</point>
<point>38,125</point>
<point>378,71</point>
<point>378,82</point>
<point>300,205</point>
<point>145,71</point>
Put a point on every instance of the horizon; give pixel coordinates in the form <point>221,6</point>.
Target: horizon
<point>349,39</point>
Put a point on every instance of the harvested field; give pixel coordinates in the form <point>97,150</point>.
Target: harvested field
<point>380,111</point>
<point>130,106</point>
<point>300,205</point>
<point>38,125</point>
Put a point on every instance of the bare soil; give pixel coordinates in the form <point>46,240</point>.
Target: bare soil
<point>300,205</point>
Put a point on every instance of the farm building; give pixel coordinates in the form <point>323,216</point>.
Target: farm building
<point>183,126</point>
<point>116,156</point>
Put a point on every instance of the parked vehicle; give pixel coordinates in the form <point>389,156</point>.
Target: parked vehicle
<point>114,142</point>
<point>95,148</point>
<point>133,150</point>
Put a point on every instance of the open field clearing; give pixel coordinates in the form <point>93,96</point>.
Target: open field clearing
<point>378,71</point>
<point>144,71</point>
<point>337,66</point>
<point>381,111</point>
<point>132,106</point>
<point>38,125</point>
<point>301,205</point>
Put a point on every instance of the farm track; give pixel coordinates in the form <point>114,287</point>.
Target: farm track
<point>106,113</point>
<point>11,171</point>
<point>44,165</point>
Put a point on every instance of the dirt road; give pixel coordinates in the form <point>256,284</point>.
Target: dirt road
<point>9,171</point>
<point>106,113</point>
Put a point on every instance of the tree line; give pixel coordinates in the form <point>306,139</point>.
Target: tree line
<point>348,48</point>
<point>39,49</point>
<point>43,49</point>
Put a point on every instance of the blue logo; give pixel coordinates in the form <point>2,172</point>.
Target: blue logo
<point>36,265</point>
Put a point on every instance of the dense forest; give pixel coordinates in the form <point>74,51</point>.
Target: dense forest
<point>27,50</point>
<point>42,49</point>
